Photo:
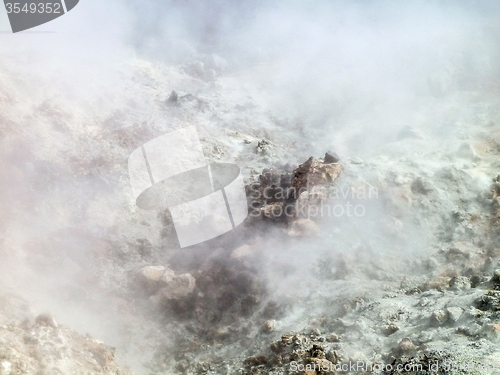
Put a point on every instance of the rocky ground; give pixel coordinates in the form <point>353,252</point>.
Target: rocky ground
<point>39,345</point>
<point>403,270</point>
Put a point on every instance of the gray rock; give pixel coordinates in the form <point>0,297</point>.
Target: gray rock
<point>466,151</point>
<point>355,160</point>
<point>406,345</point>
<point>151,273</point>
<point>149,278</point>
<point>472,329</point>
<point>431,263</point>
<point>454,313</point>
<point>460,283</point>
<point>315,332</point>
<point>390,329</point>
<point>333,337</point>
<point>331,157</point>
<point>496,276</point>
<point>438,318</point>
<point>421,186</point>
<point>172,98</point>
<point>179,287</point>
<point>268,326</point>
<point>426,336</point>
<point>46,320</point>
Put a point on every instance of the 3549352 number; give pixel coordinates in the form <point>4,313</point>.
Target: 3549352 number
<point>33,8</point>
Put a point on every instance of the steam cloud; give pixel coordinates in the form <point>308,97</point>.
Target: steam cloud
<point>343,75</point>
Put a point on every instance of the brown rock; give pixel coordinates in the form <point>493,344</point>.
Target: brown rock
<point>438,318</point>
<point>439,283</point>
<point>314,173</point>
<point>333,337</point>
<point>151,273</point>
<point>390,329</point>
<point>406,345</point>
<point>179,287</point>
<point>256,360</point>
<point>268,326</point>
<point>149,277</point>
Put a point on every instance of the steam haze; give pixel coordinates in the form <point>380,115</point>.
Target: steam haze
<point>79,94</point>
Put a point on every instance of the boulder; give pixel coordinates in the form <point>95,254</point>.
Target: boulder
<point>315,173</point>
<point>454,313</point>
<point>331,157</point>
<point>438,318</point>
<point>151,274</point>
<point>46,320</point>
<point>460,283</point>
<point>148,278</point>
<point>179,287</point>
